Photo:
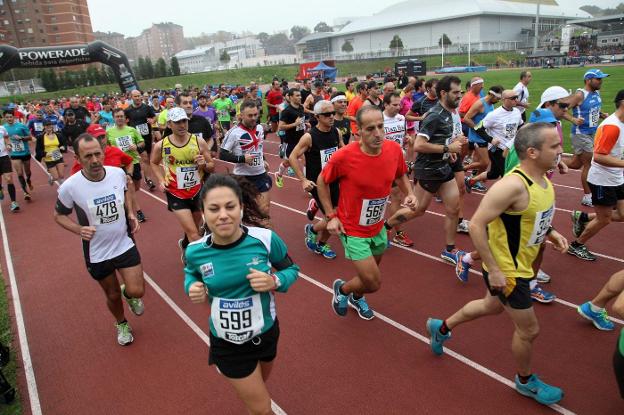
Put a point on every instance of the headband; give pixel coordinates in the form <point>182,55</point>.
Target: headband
<point>338,98</point>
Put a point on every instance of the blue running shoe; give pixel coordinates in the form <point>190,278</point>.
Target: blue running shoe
<point>290,172</point>
<point>542,296</point>
<point>462,268</point>
<point>339,301</point>
<point>450,256</point>
<point>437,339</point>
<point>364,311</point>
<point>325,250</point>
<point>479,187</point>
<point>600,319</point>
<point>538,390</point>
<point>310,238</point>
<point>467,184</point>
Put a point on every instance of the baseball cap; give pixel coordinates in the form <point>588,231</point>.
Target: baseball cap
<point>553,93</point>
<point>595,73</point>
<point>176,114</point>
<point>542,115</point>
<point>96,130</point>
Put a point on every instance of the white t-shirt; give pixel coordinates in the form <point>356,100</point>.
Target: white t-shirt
<point>609,138</point>
<point>523,95</point>
<point>503,125</point>
<point>241,141</point>
<point>99,204</point>
<point>3,149</point>
<point>394,128</point>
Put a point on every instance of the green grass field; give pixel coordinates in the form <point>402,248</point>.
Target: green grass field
<point>6,337</point>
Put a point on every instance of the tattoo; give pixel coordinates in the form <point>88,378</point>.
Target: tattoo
<point>401,218</point>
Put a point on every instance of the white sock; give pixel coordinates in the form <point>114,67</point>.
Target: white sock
<point>594,308</point>
<point>587,195</point>
<point>532,284</point>
<point>468,259</point>
<point>280,169</point>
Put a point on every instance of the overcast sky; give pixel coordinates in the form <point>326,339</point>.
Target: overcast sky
<point>130,17</point>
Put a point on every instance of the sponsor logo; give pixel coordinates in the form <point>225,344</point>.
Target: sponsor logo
<point>236,304</point>
<point>207,270</point>
<point>48,57</point>
<point>238,337</point>
<point>254,261</point>
<point>109,53</point>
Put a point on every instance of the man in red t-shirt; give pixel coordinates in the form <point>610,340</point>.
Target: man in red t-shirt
<point>366,170</point>
<point>274,98</point>
<point>354,106</point>
<point>112,155</point>
<point>471,96</point>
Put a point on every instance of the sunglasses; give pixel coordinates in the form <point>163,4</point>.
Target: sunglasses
<point>512,98</point>
<point>563,105</point>
<point>328,114</point>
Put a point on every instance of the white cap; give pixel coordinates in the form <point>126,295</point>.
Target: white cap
<point>552,94</point>
<point>176,114</point>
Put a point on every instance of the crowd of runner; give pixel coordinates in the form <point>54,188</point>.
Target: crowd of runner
<point>371,158</point>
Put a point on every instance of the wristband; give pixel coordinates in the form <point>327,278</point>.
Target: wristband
<point>550,229</point>
<point>445,149</point>
<point>276,280</point>
<point>332,216</point>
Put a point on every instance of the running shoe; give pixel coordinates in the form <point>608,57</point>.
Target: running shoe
<point>467,184</point>
<point>450,257</point>
<point>462,268</point>
<point>14,207</point>
<point>587,201</point>
<point>124,333</point>
<point>462,227</point>
<point>339,300</point>
<point>135,304</point>
<point>279,180</point>
<point>479,187</point>
<point>312,209</point>
<point>538,390</point>
<point>578,226</point>
<point>27,197</point>
<point>364,311</point>
<point>290,172</point>
<point>581,251</point>
<point>599,319</point>
<point>310,238</point>
<point>182,247</point>
<point>140,216</point>
<point>436,338</point>
<point>542,296</point>
<point>1,194</point>
<point>326,251</point>
<point>542,277</point>
<point>150,184</point>
<point>30,185</point>
<point>402,239</point>
<point>50,179</point>
<point>282,151</point>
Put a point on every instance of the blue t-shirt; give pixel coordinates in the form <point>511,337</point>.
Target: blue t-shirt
<point>590,111</point>
<point>19,147</point>
<point>36,126</point>
<point>106,118</point>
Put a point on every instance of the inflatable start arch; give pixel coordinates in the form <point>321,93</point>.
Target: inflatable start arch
<point>66,55</point>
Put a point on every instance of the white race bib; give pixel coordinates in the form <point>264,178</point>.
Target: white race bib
<point>510,131</point>
<point>105,210</point>
<point>124,142</point>
<point>594,117</point>
<point>55,155</point>
<point>187,177</point>
<point>372,211</point>
<point>237,320</point>
<point>326,155</point>
<point>38,126</point>
<point>543,220</point>
<point>143,129</point>
<point>258,159</point>
<point>18,146</point>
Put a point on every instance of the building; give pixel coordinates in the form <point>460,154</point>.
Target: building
<point>131,48</point>
<point>200,59</point>
<point>484,24</point>
<point>243,48</point>
<point>116,40</point>
<point>35,23</point>
<point>161,40</point>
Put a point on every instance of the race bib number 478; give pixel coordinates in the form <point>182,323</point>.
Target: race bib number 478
<point>105,210</point>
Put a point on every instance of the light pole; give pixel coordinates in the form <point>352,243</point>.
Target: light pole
<point>537,16</point>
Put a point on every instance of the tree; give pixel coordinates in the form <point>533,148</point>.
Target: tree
<point>396,43</point>
<point>263,37</point>
<point>93,75</point>
<point>160,69</point>
<point>149,68</point>
<point>140,68</point>
<point>277,44</point>
<point>298,32</point>
<point>347,47</point>
<point>322,27</point>
<point>225,57</point>
<point>447,41</point>
<point>175,66</point>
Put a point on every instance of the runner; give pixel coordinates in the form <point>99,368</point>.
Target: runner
<point>223,105</point>
<point>185,158</point>
<point>49,148</point>
<point>113,156</point>
<point>198,125</point>
<point>340,121</point>
<point>318,145</point>
<point>128,140</point>
<point>421,106</point>
<point>105,219</point>
<point>354,106</point>
<point>6,170</point>
<point>438,144</point>
<point>366,170</point>
<point>273,100</point>
<point>238,269</point>
<point>516,212</point>
<point>73,127</point>
<point>605,179</point>
<point>244,145</point>
<point>374,97</point>
<point>292,123</point>
<point>586,105</point>
<point>522,90</point>
<point>141,116</point>
<point>19,136</point>
<point>315,96</point>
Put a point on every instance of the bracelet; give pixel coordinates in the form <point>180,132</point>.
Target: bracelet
<point>277,281</point>
<point>332,216</point>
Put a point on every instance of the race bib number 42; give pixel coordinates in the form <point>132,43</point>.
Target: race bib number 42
<point>237,320</point>
<point>372,211</point>
<point>105,210</point>
<point>187,177</point>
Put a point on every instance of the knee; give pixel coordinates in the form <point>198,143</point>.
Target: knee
<point>372,283</point>
<point>618,308</point>
<point>528,333</point>
<point>135,291</point>
<point>453,210</point>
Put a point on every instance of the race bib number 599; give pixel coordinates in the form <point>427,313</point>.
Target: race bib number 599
<point>237,320</point>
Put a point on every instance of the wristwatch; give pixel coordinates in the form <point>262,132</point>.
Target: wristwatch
<point>445,149</point>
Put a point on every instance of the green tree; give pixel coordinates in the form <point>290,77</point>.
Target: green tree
<point>149,68</point>
<point>263,37</point>
<point>175,66</point>
<point>53,79</point>
<point>298,32</point>
<point>141,70</point>
<point>447,41</point>
<point>347,47</point>
<point>160,69</point>
<point>225,57</point>
<point>93,75</point>
<point>322,27</point>
<point>396,44</point>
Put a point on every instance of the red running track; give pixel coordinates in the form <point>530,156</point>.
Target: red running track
<point>325,364</point>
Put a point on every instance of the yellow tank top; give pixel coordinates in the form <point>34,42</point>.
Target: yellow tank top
<point>51,148</point>
<point>515,237</point>
<point>182,175</point>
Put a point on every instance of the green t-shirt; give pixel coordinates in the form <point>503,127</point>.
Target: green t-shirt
<point>223,107</point>
<point>122,138</point>
<point>162,117</point>
<point>511,160</point>
<point>621,342</point>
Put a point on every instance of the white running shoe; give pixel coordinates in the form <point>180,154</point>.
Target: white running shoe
<point>542,277</point>
<point>124,333</point>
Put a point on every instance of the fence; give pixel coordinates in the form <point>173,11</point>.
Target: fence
<point>21,87</point>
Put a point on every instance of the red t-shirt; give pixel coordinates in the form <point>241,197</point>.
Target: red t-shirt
<point>354,106</point>
<point>466,102</point>
<point>275,98</point>
<point>365,184</point>
<point>112,157</point>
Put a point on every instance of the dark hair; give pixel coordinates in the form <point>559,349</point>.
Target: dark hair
<point>364,110</point>
<point>116,110</point>
<point>372,84</point>
<point>388,97</point>
<point>430,83</point>
<point>619,97</point>
<point>418,84</point>
<point>248,103</point>
<point>7,112</point>
<point>178,97</point>
<point>348,84</point>
<point>292,91</point>
<point>82,137</point>
<point>361,86</point>
<point>445,83</point>
<point>318,84</point>
<point>497,88</point>
<point>531,135</point>
<point>523,74</point>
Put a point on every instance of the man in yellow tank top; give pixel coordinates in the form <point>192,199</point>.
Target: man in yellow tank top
<point>511,223</point>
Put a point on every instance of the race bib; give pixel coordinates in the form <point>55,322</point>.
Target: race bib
<point>38,127</point>
<point>301,125</point>
<point>124,142</point>
<point>372,211</point>
<point>510,131</point>
<point>187,177</point>
<point>237,320</point>
<point>543,220</point>
<point>18,146</point>
<point>326,155</point>
<point>55,155</point>
<point>105,210</point>
<point>143,129</point>
<point>594,117</point>
<point>258,159</point>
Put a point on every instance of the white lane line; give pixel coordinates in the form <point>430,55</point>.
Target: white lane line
<point>33,393</point>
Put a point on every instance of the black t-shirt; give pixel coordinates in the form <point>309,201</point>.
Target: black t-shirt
<point>289,115</point>
<point>344,126</point>
<point>379,105</point>
<point>137,118</point>
<point>305,93</point>
<point>81,113</point>
<point>438,127</point>
<point>423,105</point>
<point>324,144</point>
<point>198,125</point>
<point>72,131</point>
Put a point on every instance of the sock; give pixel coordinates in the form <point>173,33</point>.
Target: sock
<point>584,217</point>
<point>387,226</point>
<point>319,243</point>
<point>123,292</point>
<point>532,284</point>
<point>594,308</point>
<point>524,379</point>
<point>460,220</point>
<point>22,183</point>
<point>444,329</point>
<point>576,244</point>
<point>587,196</point>
<point>449,248</point>
<point>357,297</point>
<point>313,231</point>
<point>468,259</point>
<point>281,168</point>
<point>11,189</point>
<point>122,322</point>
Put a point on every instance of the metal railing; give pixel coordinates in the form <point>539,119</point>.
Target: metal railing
<point>21,87</point>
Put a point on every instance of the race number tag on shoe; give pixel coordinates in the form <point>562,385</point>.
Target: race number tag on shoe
<point>124,142</point>
<point>543,220</point>
<point>143,129</point>
<point>326,155</point>
<point>372,211</point>
<point>105,210</point>
<point>187,177</point>
<point>56,155</point>
<point>237,320</point>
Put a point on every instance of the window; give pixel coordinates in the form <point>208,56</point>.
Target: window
<point>21,30</point>
<point>55,28</point>
<point>53,19</point>
<point>17,11</point>
<point>615,40</point>
<point>40,30</point>
<point>29,30</point>
<point>43,41</point>
<point>603,41</point>
<point>6,22</point>
<point>57,38</point>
